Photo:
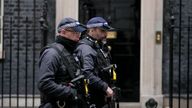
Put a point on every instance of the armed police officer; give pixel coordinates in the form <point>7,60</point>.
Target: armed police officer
<point>58,66</point>
<point>93,60</point>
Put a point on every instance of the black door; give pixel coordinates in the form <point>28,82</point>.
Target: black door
<point>124,15</point>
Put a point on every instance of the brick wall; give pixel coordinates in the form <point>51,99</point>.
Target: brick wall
<point>174,6</point>
<point>25,34</point>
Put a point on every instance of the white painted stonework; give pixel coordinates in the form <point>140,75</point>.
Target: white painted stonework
<point>66,8</point>
<point>1,29</point>
<point>151,53</point>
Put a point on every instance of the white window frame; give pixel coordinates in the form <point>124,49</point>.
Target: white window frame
<point>1,29</point>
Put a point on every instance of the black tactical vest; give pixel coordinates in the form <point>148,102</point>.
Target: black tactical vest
<point>69,67</point>
<point>102,60</point>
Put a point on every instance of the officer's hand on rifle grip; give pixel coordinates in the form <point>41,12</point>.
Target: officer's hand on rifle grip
<point>109,92</point>
<point>73,94</point>
<point>71,84</point>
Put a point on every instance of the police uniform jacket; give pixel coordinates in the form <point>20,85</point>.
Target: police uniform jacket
<point>54,76</point>
<point>87,52</point>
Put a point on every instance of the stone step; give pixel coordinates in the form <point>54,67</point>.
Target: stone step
<point>130,105</point>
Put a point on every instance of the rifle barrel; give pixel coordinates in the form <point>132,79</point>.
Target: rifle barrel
<point>77,78</point>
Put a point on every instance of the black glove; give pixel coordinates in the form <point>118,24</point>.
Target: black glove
<point>73,95</point>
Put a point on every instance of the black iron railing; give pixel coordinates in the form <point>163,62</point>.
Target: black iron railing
<point>179,51</point>
<point>22,42</point>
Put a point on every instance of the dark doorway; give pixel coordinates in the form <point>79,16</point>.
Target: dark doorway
<point>124,15</point>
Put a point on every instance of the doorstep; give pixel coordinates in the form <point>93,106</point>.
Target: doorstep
<point>130,105</point>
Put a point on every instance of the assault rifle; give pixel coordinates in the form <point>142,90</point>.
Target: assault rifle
<point>75,82</point>
<point>87,95</point>
<point>113,102</point>
<point>78,84</point>
<point>86,90</point>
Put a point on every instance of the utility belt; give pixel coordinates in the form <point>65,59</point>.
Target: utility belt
<point>60,104</point>
<point>68,103</point>
<point>49,102</point>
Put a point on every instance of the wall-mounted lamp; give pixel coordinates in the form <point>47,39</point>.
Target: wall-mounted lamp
<point>158,37</point>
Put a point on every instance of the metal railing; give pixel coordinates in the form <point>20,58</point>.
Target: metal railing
<point>22,43</point>
<point>179,59</point>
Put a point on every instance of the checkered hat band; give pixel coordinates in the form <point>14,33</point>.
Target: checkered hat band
<point>70,25</point>
<point>96,25</point>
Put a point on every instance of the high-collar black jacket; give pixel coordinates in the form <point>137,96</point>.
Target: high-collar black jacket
<point>52,74</point>
<point>87,52</point>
